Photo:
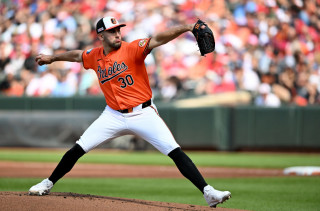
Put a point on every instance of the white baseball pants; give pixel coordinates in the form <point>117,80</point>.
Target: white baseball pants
<point>143,122</point>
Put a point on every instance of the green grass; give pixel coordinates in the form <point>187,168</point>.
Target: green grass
<point>281,193</point>
<point>275,193</point>
<point>251,160</point>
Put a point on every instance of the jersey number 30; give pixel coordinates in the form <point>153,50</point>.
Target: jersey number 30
<point>127,80</point>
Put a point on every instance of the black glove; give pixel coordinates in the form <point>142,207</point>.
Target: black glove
<point>204,37</point>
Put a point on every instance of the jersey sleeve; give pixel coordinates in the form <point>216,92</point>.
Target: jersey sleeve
<point>139,48</point>
<point>89,58</point>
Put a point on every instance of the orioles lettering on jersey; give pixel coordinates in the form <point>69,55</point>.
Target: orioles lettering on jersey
<point>122,73</point>
<point>113,71</point>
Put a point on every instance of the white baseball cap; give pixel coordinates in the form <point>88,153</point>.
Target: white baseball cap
<point>107,23</point>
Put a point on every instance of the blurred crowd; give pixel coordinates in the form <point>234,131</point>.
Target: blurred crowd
<point>269,48</point>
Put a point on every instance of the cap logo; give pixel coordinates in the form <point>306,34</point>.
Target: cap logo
<point>113,21</point>
<point>100,29</point>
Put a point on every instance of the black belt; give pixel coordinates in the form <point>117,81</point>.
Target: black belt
<point>129,110</point>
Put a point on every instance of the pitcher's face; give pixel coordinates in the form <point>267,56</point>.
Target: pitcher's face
<point>111,37</point>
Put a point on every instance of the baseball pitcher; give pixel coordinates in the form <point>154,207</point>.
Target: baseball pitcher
<point>123,79</point>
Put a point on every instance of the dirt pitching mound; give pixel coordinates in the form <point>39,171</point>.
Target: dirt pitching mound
<point>20,201</point>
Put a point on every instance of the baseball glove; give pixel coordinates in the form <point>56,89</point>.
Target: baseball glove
<point>204,37</point>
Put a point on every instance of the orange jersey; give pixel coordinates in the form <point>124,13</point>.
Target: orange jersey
<point>122,73</point>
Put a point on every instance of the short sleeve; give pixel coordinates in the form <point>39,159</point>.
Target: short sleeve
<point>140,49</point>
<point>89,58</point>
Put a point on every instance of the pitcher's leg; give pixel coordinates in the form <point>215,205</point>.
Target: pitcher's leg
<point>102,129</point>
<point>106,127</point>
<point>64,166</point>
<point>187,168</point>
<point>66,163</point>
<point>151,127</point>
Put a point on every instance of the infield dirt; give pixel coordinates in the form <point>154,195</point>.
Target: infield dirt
<point>43,170</point>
